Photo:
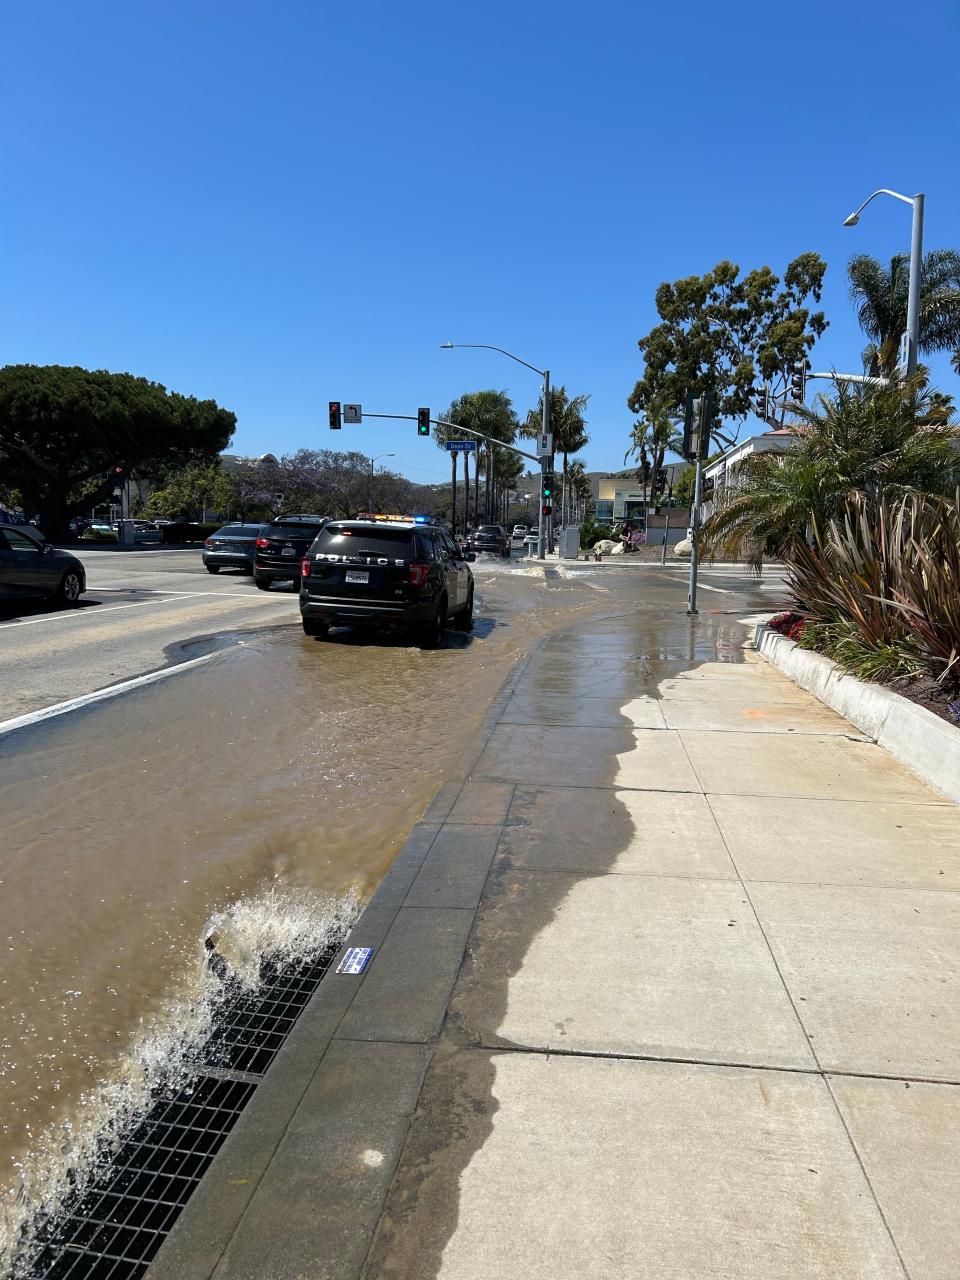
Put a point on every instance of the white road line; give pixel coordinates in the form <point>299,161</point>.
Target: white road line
<point>101,695</point>
<point>261,598</point>
<point>82,613</point>
<point>724,591</point>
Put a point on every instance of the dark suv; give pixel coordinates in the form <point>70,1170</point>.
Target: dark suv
<point>396,573</point>
<point>281,546</point>
<point>491,537</point>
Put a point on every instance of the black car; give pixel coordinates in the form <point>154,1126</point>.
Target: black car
<point>490,537</point>
<point>388,573</point>
<point>30,566</point>
<point>281,546</point>
<point>232,547</point>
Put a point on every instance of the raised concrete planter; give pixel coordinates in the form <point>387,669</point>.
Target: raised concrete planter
<point>915,736</point>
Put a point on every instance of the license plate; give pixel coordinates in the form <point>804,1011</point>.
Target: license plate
<point>358,575</point>
<point>289,551</point>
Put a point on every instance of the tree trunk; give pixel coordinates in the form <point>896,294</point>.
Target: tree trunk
<point>466,491</point>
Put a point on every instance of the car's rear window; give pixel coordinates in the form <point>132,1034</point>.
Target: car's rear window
<point>238,531</point>
<point>291,529</point>
<point>489,528</point>
<point>342,539</point>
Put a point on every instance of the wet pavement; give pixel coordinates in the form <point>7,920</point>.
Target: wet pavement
<point>618,1023</point>
<point>282,775</point>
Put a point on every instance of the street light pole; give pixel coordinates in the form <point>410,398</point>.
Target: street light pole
<point>545,463</point>
<point>373,463</point>
<point>916,266</point>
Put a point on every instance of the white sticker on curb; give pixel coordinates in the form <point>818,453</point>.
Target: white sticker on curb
<point>356,960</point>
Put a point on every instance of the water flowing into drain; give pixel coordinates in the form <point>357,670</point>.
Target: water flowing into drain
<point>104,1193</point>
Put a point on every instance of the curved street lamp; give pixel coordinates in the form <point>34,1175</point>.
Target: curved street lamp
<point>545,375</point>
<point>916,262</point>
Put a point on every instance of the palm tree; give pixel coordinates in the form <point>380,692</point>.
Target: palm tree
<point>880,295</point>
<point>489,412</point>
<point>886,441</point>
<point>580,488</point>
<point>655,433</point>
<point>567,425</point>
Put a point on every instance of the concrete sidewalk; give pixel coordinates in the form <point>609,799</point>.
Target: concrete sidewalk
<point>669,987</point>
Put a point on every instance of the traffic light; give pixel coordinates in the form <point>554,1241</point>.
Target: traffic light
<point>798,381</point>
<point>119,471</point>
<point>763,404</point>
<point>334,415</point>
<point>697,423</point>
<point>423,422</point>
<point>660,481</point>
<point>547,509</point>
<point>548,484</point>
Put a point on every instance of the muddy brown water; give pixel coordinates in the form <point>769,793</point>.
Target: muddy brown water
<point>263,795</point>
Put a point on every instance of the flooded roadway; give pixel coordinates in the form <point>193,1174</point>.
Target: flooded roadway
<point>262,795</point>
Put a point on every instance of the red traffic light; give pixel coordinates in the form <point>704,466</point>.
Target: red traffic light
<point>118,471</point>
<point>547,509</point>
<point>334,414</point>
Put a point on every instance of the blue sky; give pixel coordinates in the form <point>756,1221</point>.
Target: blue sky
<point>278,205</point>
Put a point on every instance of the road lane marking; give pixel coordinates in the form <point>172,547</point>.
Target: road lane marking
<point>82,613</point>
<point>233,595</point>
<point>101,695</point>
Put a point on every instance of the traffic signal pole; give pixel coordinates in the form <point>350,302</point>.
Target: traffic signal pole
<point>546,466</point>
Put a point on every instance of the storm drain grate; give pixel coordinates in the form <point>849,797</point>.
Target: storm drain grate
<point>252,1026</point>
<point>113,1228</point>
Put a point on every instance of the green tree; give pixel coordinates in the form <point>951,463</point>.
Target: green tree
<point>878,442</point>
<point>191,490</point>
<point>568,427</point>
<point>726,334</point>
<point>489,412</point>
<point>656,433</point>
<point>880,295</point>
<point>64,429</point>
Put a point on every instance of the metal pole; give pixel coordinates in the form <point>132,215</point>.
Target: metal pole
<point>913,295</point>
<point>666,531</point>
<point>697,490</point>
<point>453,491</point>
<point>541,527</point>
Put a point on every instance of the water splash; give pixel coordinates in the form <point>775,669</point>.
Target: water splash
<point>285,926</point>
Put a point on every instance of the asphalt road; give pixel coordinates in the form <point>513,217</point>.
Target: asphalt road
<point>142,611</point>
<point>147,610</point>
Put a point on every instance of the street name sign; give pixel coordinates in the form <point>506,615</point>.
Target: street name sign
<point>351,413</point>
<point>460,446</point>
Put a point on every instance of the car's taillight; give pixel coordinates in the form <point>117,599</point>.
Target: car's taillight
<point>418,574</point>
<point>208,542</point>
<point>263,542</point>
<point>305,567</point>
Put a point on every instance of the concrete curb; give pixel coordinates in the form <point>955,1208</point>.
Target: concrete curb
<point>914,736</point>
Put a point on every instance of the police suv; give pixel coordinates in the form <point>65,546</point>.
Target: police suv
<point>401,572</point>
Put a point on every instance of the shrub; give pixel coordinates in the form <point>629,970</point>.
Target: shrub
<point>591,532</point>
<point>880,587</point>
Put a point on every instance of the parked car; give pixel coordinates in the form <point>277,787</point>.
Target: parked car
<point>30,566</point>
<point>234,546</point>
<point>281,546</point>
<point>520,531</point>
<point>399,573</point>
<point>490,537</point>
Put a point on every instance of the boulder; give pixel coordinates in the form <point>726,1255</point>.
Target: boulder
<point>684,549</point>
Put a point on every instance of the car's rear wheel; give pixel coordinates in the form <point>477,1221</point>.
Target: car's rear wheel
<point>263,583</point>
<point>464,620</point>
<point>213,568</point>
<point>315,627</point>
<point>431,635</point>
<point>70,588</point>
